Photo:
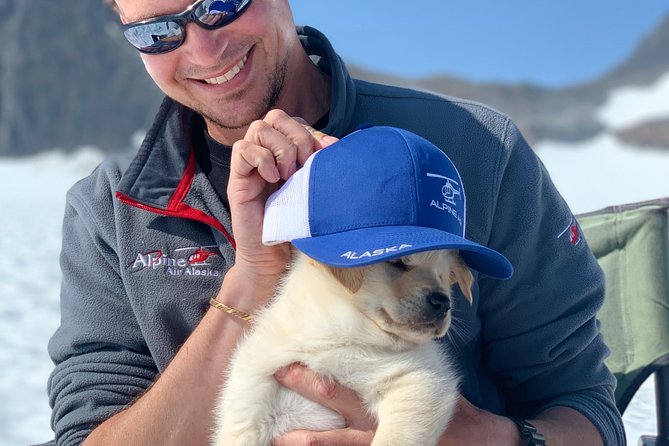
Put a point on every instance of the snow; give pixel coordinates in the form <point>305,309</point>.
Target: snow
<point>31,207</point>
<point>629,106</point>
<point>603,171</point>
<point>591,175</point>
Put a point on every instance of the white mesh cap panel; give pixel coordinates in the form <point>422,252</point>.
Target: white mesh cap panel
<point>287,210</point>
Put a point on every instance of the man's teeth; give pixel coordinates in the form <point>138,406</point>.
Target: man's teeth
<point>229,75</point>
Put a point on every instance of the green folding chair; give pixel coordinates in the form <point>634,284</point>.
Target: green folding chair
<point>631,243</point>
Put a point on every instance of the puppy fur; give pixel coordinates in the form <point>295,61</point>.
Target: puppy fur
<point>371,329</point>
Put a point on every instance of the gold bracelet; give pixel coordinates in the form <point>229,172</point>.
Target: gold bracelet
<point>237,313</point>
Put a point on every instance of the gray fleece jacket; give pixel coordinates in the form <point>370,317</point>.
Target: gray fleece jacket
<point>147,242</point>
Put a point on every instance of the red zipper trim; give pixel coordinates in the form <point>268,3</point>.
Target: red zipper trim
<point>176,207</point>
<point>184,185</point>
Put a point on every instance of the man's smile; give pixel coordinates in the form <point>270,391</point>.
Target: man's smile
<point>229,75</point>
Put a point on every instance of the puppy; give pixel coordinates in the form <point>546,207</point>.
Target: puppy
<point>372,329</point>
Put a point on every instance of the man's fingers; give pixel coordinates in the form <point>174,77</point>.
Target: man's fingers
<point>302,143</point>
<point>299,378</point>
<point>348,437</point>
<point>304,138</point>
<point>246,157</point>
<point>325,392</point>
<point>288,143</point>
<point>322,140</point>
<point>279,142</point>
<point>360,427</point>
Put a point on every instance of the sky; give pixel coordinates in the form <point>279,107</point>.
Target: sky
<point>553,44</point>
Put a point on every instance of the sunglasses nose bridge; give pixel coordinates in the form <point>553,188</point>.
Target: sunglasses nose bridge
<point>186,18</point>
<point>191,17</point>
<point>209,46</point>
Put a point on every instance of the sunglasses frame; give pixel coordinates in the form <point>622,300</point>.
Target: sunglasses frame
<point>181,19</point>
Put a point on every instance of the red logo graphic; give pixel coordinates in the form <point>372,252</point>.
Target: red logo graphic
<point>201,255</point>
<point>573,232</point>
<point>574,236</point>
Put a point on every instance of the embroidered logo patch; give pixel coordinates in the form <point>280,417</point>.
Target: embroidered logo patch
<point>450,192</point>
<point>190,261</point>
<point>572,232</point>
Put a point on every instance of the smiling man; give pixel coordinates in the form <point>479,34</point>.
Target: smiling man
<point>142,348</point>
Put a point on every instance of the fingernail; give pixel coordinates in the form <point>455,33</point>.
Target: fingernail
<point>280,373</point>
<point>329,139</point>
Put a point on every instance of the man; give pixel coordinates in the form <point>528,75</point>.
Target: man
<point>140,355</point>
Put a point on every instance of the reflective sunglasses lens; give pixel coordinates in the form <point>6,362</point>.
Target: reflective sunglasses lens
<point>156,37</point>
<point>216,13</point>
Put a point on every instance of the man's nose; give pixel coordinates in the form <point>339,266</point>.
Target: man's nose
<point>205,46</point>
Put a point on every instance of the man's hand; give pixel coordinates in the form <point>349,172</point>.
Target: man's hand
<point>360,427</point>
<point>469,425</point>
<point>271,151</point>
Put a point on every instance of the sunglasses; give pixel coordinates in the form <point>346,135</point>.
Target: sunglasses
<point>163,34</point>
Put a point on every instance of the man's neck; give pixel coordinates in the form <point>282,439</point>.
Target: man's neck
<point>308,92</point>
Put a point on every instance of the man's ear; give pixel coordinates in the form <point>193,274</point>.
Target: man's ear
<point>351,278</point>
<point>464,278</point>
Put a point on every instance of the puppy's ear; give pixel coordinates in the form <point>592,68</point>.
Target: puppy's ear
<point>464,278</point>
<point>351,278</point>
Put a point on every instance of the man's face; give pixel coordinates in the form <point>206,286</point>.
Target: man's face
<point>231,75</point>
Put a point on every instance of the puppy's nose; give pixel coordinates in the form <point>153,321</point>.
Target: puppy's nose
<point>438,303</point>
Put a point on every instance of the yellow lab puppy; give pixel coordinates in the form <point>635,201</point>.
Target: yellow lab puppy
<point>369,328</point>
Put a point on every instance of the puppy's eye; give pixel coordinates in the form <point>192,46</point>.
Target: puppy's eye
<point>399,264</point>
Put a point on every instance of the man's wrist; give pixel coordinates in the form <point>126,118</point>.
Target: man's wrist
<point>243,292</point>
<point>529,434</point>
<point>499,430</point>
<point>510,434</point>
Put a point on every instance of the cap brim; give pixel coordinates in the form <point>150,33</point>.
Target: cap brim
<point>360,247</point>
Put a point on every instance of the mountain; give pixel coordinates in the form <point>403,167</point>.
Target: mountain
<point>68,78</point>
<point>652,133</point>
<point>562,114</point>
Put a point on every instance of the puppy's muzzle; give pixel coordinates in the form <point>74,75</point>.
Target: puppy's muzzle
<point>437,305</point>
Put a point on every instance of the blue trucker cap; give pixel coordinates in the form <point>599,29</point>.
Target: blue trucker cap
<point>377,194</point>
